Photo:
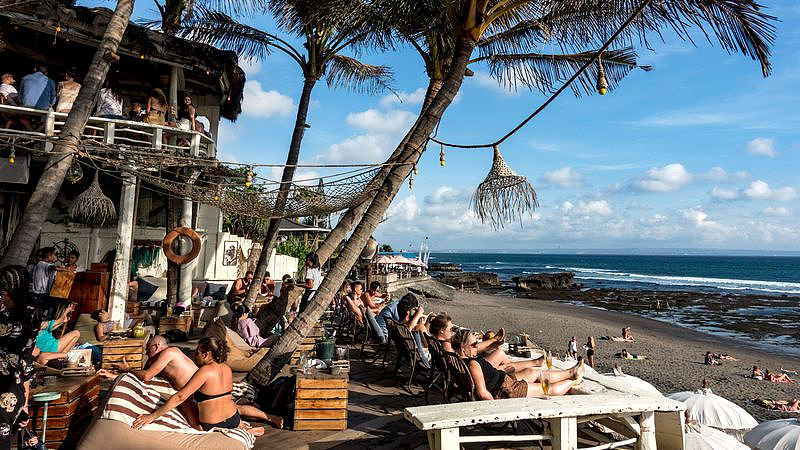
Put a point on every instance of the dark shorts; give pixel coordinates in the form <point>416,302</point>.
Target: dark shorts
<point>231,422</point>
<point>513,388</point>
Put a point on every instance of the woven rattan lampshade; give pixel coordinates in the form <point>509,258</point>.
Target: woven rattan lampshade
<point>503,195</point>
<point>92,207</point>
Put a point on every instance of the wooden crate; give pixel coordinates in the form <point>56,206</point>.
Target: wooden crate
<point>321,402</point>
<point>182,322</point>
<point>130,349</point>
<point>70,415</point>
<point>308,343</point>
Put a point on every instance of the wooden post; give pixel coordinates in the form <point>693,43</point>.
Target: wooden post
<point>122,260</point>
<point>565,433</point>
<point>187,270</point>
<point>108,132</point>
<point>173,270</point>
<point>444,439</point>
<point>647,424</point>
<point>49,129</point>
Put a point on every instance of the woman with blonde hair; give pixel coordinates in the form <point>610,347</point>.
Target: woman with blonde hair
<point>514,380</point>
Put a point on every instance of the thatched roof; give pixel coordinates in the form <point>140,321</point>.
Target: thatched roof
<point>58,34</point>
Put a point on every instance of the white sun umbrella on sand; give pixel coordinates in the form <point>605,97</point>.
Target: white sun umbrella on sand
<point>702,437</point>
<point>635,383</point>
<point>782,434</point>
<point>710,409</point>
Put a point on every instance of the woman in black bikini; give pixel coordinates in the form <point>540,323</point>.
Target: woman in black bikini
<point>211,385</point>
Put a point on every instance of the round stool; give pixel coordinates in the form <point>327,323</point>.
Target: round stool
<point>46,398</point>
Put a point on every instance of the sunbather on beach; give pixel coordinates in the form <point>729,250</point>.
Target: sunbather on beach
<point>724,356</point>
<point>756,373</point>
<point>777,377</point>
<point>624,354</point>
<point>626,334</point>
<point>709,359</point>
<point>177,368</point>
<point>513,380</point>
<point>779,405</point>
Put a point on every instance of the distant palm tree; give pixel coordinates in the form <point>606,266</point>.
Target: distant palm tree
<point>327,28</point>
<point>739,25</point>
<point>42,198</point>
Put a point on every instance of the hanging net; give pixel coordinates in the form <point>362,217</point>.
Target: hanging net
<point>503,196</point>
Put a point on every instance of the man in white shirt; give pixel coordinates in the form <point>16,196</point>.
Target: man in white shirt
<point>8,90</point>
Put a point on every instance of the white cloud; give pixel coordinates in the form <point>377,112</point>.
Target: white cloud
<point>405,98</point>
<point>779,211</point>
<point>719,174</point>
<point>564,177</point>
<point>228,137</point>
<point>762,146</point>
<point>251,66</point>
<point>594,208</point>
<point>664,179</point>
<point>264,104</point>
<point>703,224</point>
<point>760,190</point>
<point>686,119</point>
<point>724,194</point>
<point>382,122</point>
<point>483,79</point>
<point>446,211</point>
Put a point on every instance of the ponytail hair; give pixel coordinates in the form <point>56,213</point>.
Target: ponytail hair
<point>217,348</point>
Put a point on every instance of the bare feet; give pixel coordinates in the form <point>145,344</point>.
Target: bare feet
<point>255,431</point>
<point>276,421</point>
<point>578,369</point>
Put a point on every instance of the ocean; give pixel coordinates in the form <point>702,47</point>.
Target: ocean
<point>765,275</point>
<point>752,299</point>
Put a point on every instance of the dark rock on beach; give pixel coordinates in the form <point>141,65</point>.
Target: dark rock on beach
<point>548,281</point>
<point>471,281</point>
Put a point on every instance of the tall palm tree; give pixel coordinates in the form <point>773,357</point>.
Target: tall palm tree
<point>739,25</point>
<point>34,215</point>
<point>327,29</point>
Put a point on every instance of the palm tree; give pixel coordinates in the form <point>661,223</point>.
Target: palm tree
<point>739,25</point>
<point>327,28</point>
<point>66,147</point>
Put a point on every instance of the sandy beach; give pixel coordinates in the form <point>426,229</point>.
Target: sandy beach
<point>675,354</point>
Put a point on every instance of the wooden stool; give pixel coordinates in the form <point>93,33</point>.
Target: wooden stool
<point>46,398</point>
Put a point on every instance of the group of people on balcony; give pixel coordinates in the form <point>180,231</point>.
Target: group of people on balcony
<point>37,90</point>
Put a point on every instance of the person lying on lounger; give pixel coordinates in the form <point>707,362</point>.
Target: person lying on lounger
<point>211,386</point>
<point>514,380</point>
<point>177,368</point>
<point>624,354</point>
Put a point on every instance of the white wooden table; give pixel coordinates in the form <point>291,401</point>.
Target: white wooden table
<point>635,411</point>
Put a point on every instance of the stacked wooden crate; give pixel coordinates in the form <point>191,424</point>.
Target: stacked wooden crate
<point>182,322</point>
<point>321,402</point>
<point>308,343</point>
<point>132,350</point>
<point>68,416</point>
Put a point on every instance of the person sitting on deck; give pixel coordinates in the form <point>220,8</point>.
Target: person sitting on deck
<point>155,113</point>
<point>7,89</point>
<point>67,92</point>
<point>441,327</point>
<point>777,377</point>
<point>248,330</point>
<point>211,385</point>
<point>239,289</point>
<point>109,101</point>
<point>267,287</point>
<point>105,326</point>
<point>514,380</point>
<point>415,320</point>
<point>177,368</point>
<point>48,343</point>
<point>389,311</point>
<point>136,114</point>
<point>353,301</point>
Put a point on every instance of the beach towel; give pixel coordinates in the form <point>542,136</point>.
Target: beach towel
<point>131,397</point>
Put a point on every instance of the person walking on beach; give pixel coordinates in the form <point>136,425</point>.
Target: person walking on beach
<point>572,348</point>
<point>589,347</point>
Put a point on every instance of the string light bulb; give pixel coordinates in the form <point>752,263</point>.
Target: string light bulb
<point>12,156</point>
<point>248,179</point>
<point>441,155</point>
<point>416,171</point>
<point>58,28</point>
<point>602,83</point>
<point>411,182</point>
<point>141,55</point>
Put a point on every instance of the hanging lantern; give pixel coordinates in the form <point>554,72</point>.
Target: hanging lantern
<point>92,207</point>
<point>248,179</point>
<point>602,83</point>
<point>74,173</point>
<point>503,195</point>
<point>441,155</point>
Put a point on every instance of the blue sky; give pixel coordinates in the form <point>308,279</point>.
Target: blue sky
<point>703,152</point>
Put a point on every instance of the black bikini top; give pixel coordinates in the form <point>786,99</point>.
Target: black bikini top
<point>200,397</point>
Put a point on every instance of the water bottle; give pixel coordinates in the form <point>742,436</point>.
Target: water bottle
<point>303,362</point>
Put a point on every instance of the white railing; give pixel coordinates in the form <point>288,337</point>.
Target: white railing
<point>116,131</point>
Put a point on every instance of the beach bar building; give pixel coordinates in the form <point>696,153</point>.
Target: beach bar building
<point>64,37</point>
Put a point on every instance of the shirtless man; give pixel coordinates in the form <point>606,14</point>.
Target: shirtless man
<point>171,363</point>
<point>368,298</point>
<point>240,287</point>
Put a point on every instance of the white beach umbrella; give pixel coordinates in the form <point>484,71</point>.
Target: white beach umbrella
<point>635,383</point>
<point>710,409</point>
<point>701,437</point>
<point>782,434</point>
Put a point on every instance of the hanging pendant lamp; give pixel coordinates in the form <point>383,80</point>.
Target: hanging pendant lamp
<point>92,207</point>
<point>503,195</point>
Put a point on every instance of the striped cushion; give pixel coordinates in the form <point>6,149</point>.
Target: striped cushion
<point>131,397</point>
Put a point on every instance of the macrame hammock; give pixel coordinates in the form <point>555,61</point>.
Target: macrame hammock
<point>92,207</point>
<point>503,196</point>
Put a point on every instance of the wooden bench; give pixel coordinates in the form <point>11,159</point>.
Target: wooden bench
<point>114,350</point>
<point>632,415</point>
<point>69,416</point>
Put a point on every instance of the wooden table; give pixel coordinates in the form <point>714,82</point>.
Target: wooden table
<point>182,322</point>
<point>70,415</point>
<point>130,349</point>
<point>321,402</point>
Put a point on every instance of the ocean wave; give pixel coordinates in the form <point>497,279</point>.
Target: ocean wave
<point>774,287</point>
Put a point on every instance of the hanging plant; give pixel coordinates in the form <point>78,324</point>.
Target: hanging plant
<point>92,207</point>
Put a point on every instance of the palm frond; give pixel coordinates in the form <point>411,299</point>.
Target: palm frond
<point>219,29</point>
<point>229,7</point>
<point>546,72</point>
<point>343,71</point>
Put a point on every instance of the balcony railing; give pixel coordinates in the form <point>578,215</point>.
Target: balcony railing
<point>160,138</point>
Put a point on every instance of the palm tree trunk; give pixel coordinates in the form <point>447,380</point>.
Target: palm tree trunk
<point>286,183</point>
<point>35,213</point>
<point>354,214</point>
<point>279,354</point>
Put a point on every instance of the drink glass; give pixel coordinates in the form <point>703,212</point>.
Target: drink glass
<point>548,359</point>
<point>544,380</point>
<point>341,353</point>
